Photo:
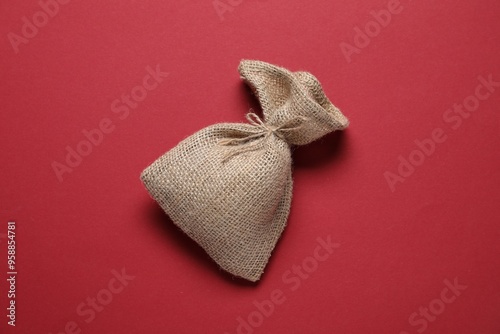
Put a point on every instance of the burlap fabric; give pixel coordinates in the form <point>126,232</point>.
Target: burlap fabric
<point>229,186</point>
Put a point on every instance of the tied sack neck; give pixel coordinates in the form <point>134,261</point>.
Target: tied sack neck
<point>264,131</point>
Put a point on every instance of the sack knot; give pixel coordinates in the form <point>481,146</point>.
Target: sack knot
<point>249,142</point>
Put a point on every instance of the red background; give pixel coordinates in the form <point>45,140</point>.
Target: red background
<point>396,247</point>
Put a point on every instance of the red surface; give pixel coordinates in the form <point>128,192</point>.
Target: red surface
<point>397,247</point>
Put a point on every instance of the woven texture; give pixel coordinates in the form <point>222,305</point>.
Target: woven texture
<point>229,186</point>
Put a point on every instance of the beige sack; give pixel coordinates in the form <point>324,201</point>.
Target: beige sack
<point>229,186</point>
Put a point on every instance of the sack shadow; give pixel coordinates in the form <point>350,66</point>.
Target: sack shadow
<point>331,147</point>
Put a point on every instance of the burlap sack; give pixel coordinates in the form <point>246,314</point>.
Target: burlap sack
<point>229,186</point>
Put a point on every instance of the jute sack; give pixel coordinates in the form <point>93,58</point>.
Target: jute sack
<point>229,186</point>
